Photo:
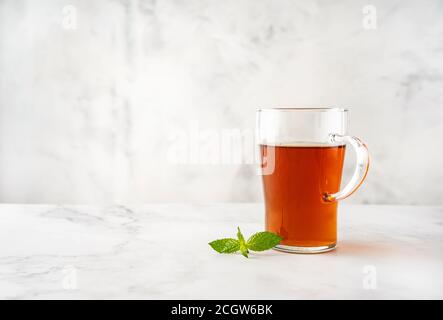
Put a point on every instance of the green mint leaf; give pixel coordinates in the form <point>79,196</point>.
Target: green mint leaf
<point>243,248</point>
<point>261,241</point>
<point>227,245</point>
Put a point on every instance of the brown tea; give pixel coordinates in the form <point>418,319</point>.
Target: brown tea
<point>294,193</point>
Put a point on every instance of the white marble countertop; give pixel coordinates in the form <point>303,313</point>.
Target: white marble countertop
<point>161,252</point>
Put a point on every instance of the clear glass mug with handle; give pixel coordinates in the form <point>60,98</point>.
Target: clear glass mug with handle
<point>302,152</point>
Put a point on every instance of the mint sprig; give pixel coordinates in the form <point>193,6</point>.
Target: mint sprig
<point>259,241</point>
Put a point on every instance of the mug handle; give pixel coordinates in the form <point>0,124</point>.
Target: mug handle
<point>361,170</point>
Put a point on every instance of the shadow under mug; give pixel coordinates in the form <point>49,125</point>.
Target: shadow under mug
<point>302,152</point>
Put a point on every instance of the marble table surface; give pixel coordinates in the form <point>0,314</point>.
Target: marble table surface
<point>160,252</point>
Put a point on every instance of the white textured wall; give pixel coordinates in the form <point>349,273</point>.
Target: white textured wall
<point>86,115</point>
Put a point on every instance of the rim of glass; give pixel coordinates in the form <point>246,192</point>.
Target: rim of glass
<point>315,109</point>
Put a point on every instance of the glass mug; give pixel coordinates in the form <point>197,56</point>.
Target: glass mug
<point>302,152</point>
